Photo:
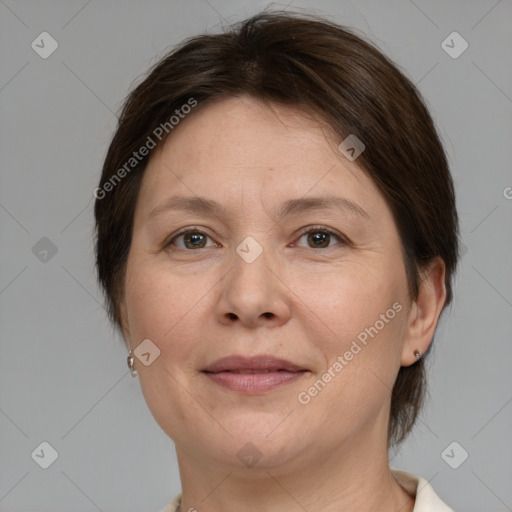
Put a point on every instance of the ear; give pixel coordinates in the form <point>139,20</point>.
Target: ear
<point>425,311</point>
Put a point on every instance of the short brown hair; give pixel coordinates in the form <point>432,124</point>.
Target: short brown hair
<point>324,69</point>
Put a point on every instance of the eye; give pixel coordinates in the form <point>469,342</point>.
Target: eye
<point>192,239</point>
<point>320,237</point>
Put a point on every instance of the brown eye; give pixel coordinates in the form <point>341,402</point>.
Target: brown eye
<point>321,238</point>
<point>192,239</point>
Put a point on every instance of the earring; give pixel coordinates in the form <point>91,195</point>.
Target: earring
<point>417,354</point>
<point>130,360</point>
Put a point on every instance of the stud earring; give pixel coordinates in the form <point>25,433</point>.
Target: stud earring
<point>417,354</point>
<point>130,361</point>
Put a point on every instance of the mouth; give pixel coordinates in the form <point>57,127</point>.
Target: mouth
<point>253,375</point>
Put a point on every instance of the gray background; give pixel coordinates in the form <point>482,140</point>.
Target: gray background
<point>63,374</point>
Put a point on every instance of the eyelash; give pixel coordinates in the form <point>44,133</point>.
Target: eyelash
<point>324,229</point>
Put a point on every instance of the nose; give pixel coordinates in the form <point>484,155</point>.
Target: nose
<point>254,293</point>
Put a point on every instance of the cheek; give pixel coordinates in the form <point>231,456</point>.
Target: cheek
<point>356,321</point>
<point>148,307</point>
<point>153,307</point>
<point>343,303</point>
<point>155,302</point>
<point>359,334</point>
<point>159,308</point>
<point>169,310</point>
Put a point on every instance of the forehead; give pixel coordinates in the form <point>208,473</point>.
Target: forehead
<point>240,148</point>
<point>243,132</point>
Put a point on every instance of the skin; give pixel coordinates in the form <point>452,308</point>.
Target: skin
<point>299,300</point>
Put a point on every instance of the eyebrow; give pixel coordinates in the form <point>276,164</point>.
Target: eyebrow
<point>208,207</point>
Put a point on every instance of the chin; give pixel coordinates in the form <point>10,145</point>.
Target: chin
<point>252,447</point>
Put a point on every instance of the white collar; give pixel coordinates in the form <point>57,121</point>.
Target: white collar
<point>426,498</point>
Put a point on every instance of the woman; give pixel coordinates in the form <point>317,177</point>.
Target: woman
<point>276,239</point>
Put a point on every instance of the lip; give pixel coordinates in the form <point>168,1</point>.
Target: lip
<point>262,362</point>
<point>253,375</point>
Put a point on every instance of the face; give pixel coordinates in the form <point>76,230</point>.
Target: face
<point>271,271</point>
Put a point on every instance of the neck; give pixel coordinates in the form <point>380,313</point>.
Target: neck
<point>353,477</point>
